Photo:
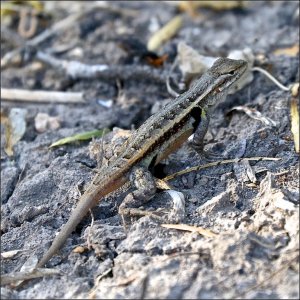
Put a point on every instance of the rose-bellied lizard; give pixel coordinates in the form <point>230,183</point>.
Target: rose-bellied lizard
<point>153,141</point>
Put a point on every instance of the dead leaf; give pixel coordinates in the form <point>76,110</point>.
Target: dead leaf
<point>191,63</point>
<point>177,213</point>
<point>136,48</point>
<point>290,51</point>
<point>157,62</point>
<point>255,114</point>
<point>295,123</point>
<point>15,127</point>
<point>79,249</point>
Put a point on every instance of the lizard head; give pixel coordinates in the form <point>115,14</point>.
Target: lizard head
<point>225,72</point>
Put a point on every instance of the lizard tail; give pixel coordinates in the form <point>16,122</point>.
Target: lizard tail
<point>88,200</point>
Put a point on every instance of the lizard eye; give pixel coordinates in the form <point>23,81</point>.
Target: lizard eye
<point>231,73</point>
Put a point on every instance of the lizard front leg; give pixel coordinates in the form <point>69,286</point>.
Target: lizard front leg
<point>142,179</point>
<point>199,134</point>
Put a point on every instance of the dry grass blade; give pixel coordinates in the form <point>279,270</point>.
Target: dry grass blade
<point>165,33</point>
<point>15,127</point>
<point>216,5</point>
<point>93,291</point>
<point>295,123</point>
<point>161,184</point>
<point>79,137</point>
<point>290,51</point>
<point>217,163</point>
<point>219,5</point>
<point>185,227</point>
<point>267,279</point>
<point>295,89</point>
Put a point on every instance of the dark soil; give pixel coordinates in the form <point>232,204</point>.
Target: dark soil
<point>256,252</point>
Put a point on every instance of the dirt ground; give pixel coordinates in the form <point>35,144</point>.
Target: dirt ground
<point>254,253</point>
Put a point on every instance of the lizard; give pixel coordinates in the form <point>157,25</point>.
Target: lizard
<point>161,134</point>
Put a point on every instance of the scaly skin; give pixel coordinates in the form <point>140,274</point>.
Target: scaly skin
<point>161,134</point>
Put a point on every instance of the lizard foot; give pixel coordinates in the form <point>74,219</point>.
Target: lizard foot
<point>209,156</point>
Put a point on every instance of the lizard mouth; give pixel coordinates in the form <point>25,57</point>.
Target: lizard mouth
<point>243,67</point>
<point>232,79</point>
<point>241,71</point>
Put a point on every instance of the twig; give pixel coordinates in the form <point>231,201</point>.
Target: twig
<point>56,28</point>
<point>36,273</point>
<point>27,15</point>
<point>267,74</point>
<point>78,70</point>
<point>41,96</point>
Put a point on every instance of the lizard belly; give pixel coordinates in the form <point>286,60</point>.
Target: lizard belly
<point>174,143</point>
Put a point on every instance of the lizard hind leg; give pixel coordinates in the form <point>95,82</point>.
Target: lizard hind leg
<point>145,185</point>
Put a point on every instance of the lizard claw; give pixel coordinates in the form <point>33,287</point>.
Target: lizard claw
<point>209,156</point>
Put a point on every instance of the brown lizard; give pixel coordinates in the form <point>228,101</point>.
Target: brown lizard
<point>153,141</point>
